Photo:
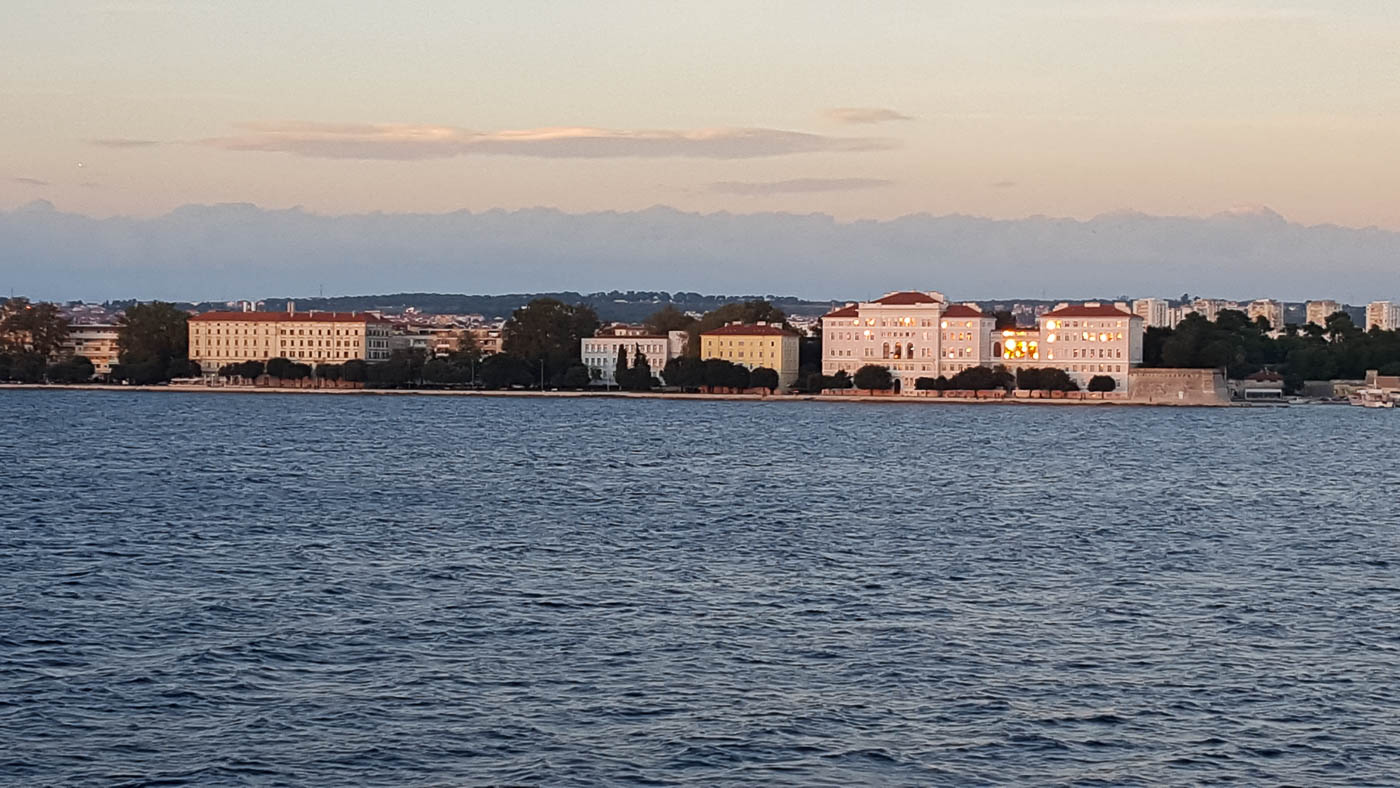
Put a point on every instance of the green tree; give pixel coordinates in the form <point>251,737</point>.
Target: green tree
<point>638,378</point>
<point>926,384</point>
<point>77,369</point>
<point>502,371</point>
<point>668,318</point>
<point>1102,383</point>
<point>764,378</point>
<point>280,368</point>
<point>620,368</point>
<point>873,377</point>
<point>686,372</point>
<point>40,328</point>
<point>548,330</point>
<point>1004,319</point>
<point>353,371</point>
<point>576,377</point>
<point>150,338</point>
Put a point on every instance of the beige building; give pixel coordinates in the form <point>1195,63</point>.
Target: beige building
<point>1319,311</point>
<point>220,338</point>
<point>96,343</point>
<point>1155,312</point>
<point>1384,315</point>
<point>1268,309</point>
<point>488,340</point>
<point>754,346</point>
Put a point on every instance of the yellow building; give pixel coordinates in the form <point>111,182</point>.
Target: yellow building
<point>220,338</point>
<point>754,346</point>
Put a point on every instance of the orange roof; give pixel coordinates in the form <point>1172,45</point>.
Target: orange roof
<point>959,310</point>
<point>906,298</point>
<point>737,330</point>
<point>1103,310</point>
<point>291,317</point>
<point>845,311</point>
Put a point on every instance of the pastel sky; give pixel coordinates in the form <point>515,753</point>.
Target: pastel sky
<point>868,109</point>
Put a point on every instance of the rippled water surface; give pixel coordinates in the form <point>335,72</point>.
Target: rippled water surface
<point>237,589</point>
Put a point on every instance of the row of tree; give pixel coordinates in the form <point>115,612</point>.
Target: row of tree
<point>1336,350</point>
<point>692,374</point>
<point>874,377</point>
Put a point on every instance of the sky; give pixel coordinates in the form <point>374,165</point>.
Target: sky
<point>860,110</point>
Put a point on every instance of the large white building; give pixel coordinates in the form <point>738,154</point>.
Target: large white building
<point>1384,315</point>
<point>1155,312</point>
<point>920,335</point>
<point>599,353</point>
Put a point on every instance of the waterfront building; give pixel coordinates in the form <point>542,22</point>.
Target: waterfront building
<point>1268,309</point>
<point>1155,312</point>
<point>902,331</point>
<point>599,352</point>
<point>220,338</point>
<point>96,343</point>
<point>752,346</point>
<point>1319,311</point>
<point>1384,315</point>
<point>920,334</point>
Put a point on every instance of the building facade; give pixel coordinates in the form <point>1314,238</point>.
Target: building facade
<point>1384,315</point>
<point>220,338</point>
<point>599,353</point>
<point>902,331</point>
<point>919,335</point>
<point>1318,311</point>
<point>96,343</point>
<point>754,346</point>
<point>1154,312</point>
<point>1268,309</point>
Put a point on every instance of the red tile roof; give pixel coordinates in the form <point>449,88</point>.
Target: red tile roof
<point>845,311</point>
<point>292,317</point>
<point>761,331</point>
<point>906,298</point>
<point>959,310</point>
<point>1103,310</point>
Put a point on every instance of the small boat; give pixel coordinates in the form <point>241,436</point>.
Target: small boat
<point>1373,398</point>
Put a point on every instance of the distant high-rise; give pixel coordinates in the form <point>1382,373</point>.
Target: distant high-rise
<point>1268,309</point>
<point>1319,311</point>
<point>1384,315</point>
<point>1153,311</point>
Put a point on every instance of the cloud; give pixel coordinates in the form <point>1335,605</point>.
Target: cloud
<point>1004,185</point>
<point>124,143</point>
<point>1204,15</point>
<point>404,142</point>
<point>864,115</point>
<point>31,181</point>
<point>797,186</point>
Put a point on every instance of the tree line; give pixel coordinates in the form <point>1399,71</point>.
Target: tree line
<point>1338,349</point>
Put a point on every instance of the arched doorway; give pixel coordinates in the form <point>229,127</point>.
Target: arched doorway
<point>897,383</point>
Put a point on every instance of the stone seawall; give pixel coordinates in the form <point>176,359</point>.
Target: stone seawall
<point>1175,386</point>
